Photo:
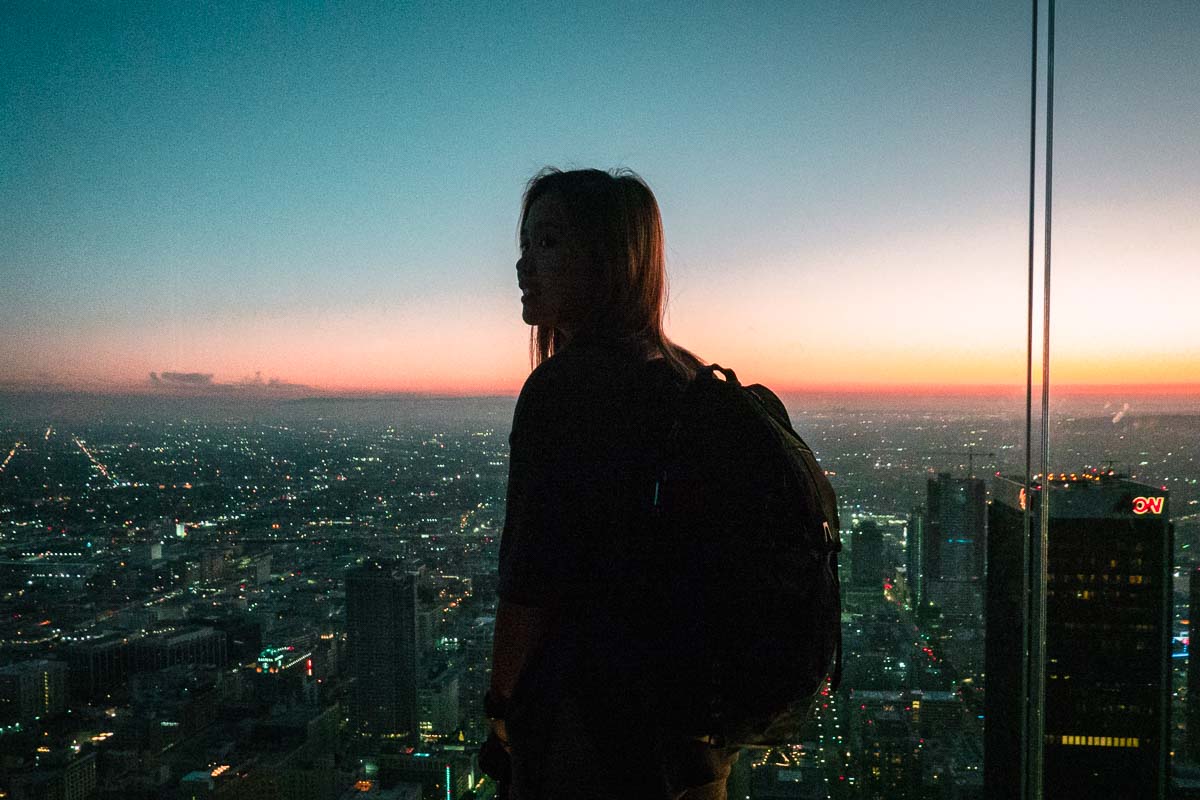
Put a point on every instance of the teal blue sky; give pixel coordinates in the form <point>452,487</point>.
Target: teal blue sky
<point>327,194</point>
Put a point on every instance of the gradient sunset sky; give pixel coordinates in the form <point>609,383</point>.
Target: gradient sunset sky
<point>328,196</point>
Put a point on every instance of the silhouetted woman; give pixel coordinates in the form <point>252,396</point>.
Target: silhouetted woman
<point>570,695</point>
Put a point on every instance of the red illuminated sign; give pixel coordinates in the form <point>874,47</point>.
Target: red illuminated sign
<point>1148,505</point>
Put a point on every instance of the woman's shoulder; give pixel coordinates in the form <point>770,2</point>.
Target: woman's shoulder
<point>557,387</point>
<point>583,362</point>
<point>564,370</point>
<point>588,380</point>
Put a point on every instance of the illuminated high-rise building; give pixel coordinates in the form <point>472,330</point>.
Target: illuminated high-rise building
<point>1193,669</point>
<point>381,626</point>
<point>914,553</point>
<point>1108,611</point>
<point>31,689</point>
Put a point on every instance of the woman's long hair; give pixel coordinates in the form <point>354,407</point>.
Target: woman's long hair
<point>615,219</point>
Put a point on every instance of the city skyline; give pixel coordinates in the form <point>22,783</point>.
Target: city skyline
<point>191,588</point>
<point>222,198</point>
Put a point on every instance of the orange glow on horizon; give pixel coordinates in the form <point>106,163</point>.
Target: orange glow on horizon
<point>511,387</point>
<point>484,351</point>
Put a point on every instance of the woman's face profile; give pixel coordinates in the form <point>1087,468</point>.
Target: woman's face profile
<point>553,275</point>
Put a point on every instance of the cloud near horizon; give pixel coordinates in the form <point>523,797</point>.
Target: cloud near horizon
<point>181,379</point>
<point>204,381</point>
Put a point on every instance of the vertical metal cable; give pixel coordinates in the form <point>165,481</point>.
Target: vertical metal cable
<point>1027,541</point>
<point>1039,674</point>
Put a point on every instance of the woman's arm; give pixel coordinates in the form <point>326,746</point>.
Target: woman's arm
<point>519,630</point>
<point>532,543</point>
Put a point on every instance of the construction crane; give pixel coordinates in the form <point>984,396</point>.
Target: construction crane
<point>970,454</point>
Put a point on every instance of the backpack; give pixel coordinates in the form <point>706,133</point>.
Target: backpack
<point>748,601</point>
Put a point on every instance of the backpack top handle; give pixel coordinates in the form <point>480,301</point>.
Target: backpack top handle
<point>712,371</point>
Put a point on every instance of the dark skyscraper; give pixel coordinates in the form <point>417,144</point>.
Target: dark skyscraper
<point>1107,638</point>
<point>381,608</point>
<point>867,562</point>
<point>955,542</point>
